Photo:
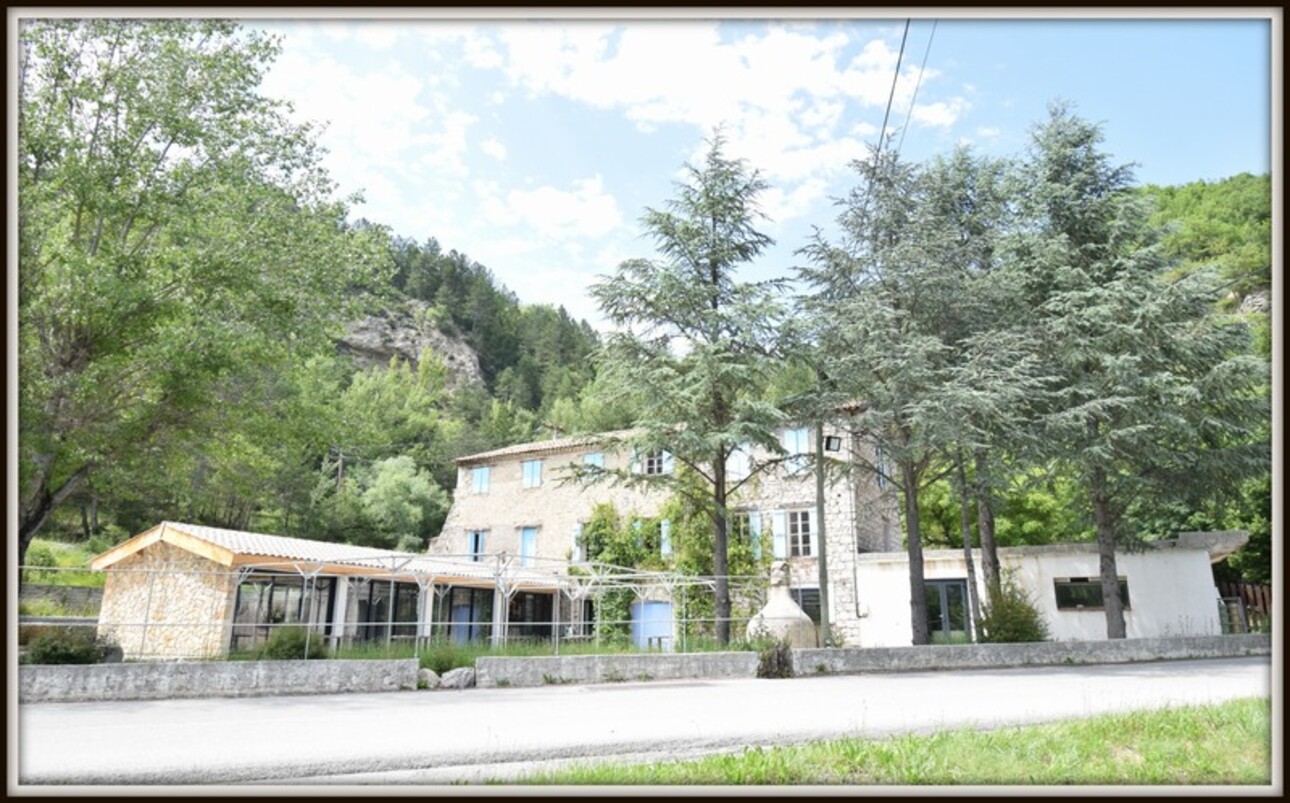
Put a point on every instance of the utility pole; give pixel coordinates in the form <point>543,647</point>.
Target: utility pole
<point>826,637</point>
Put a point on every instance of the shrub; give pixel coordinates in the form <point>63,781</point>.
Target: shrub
<point>1011,616</point>
<point>775,660</point>
<point>39,563</point>
<point>287,643</point>
<point>66,645</point>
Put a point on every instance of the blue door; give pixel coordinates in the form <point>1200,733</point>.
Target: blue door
<point>652,625</point>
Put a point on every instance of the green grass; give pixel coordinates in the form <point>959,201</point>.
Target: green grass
<point>1223,744</point>
<point>442,656</point>
<point>70,564</point>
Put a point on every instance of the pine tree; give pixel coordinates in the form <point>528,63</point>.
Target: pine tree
<point>694,346</point>
<point>1153,388</point>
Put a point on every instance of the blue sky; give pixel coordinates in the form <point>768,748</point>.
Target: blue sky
<point>535,146</point>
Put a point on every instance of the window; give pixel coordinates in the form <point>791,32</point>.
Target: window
<point>665,538</point>
<point>388,610</point>
<point>1085,593</point>
<point>528,545</point>
<point>657,463</point>
<point>532,471</point>
<point>792,535</point>
<point>799,533</point>
<point>475,543</point>
<point>947,611</point>
<point>739,463</point>
<point>808,599</point>
<point>576,555</point>
<point>596,459</point>
<point>465,614</point>
<point>265,602</point>
<point>479,480</point>
<point>797,445</point>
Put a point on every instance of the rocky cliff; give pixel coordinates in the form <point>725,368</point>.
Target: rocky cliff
<point>406,330</point>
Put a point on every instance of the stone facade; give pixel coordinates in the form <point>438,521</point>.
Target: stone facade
<point>860,516</point>
<point>166,602</point>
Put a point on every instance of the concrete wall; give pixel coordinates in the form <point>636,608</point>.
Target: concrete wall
<point>1171,592</point>
<point>158,681</point>
<point>550,670</point>
<point>165,602</point>
<point>1048,653</point>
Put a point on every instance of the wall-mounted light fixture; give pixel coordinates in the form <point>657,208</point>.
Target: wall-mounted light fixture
<point>832,443</point>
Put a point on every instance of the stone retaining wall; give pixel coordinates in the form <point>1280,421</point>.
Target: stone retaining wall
<point>554,670</point>
<point>1047,653</point>
<point>159,681</point>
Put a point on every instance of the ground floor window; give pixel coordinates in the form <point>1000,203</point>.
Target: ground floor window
<point>808,599</point>
<point>1085,593</point>
<point>266,602</point>
<point>530,615</point>
<point>466,614</point>
<point>388,611</point>
<point>947,619</point>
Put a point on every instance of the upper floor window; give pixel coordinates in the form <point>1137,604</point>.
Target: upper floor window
<point>596,459</point>
<point>656,463</point>
<point>532,473</point>
<point>739,463</point>
<point>528,545</point>
<point>479,480</point>
<point>797,443</point>
<point>791,534</point>
<point>475,543</point>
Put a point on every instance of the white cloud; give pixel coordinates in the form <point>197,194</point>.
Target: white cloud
<point>942,114</point>
<point>494,148</point>
<point>377,35</point>
<point>988,132</point>
<point>586,211</point>
<point>787,98</point>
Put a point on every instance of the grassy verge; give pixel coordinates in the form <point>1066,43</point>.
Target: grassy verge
<point>1225,744</point>
<point>59,563</point>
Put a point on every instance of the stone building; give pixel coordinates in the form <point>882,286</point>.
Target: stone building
<point>181,591</point>
<point>525,501</point>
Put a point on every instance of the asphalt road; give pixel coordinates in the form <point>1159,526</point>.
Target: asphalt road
<point>441,737</point>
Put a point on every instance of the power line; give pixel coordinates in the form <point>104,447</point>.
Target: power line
<point>917,84</point>
<point>882,134</point>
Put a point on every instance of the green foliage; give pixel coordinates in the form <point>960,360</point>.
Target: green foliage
<point>1010,615</point>
<point>40,564</point>
<point>775,660</point>
<point>693,346</point>
<point>175,235</point>
<point>66,645</point>
<point>291,643</point>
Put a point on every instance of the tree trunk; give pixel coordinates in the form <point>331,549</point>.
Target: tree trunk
<point>40,503</point>
<point>720,552</point>
<point>965,508</point>
<point>985,525</point>
<point>1106,551</point>
<point>917,588</point>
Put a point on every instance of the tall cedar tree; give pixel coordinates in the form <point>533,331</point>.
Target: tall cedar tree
<point>1154,389</point>
<point>693,348</point>
<point>174,227</point>
<point>900,305</point>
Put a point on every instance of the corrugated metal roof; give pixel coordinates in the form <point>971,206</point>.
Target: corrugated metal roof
<point>548,447</point>
<point>278,546</point>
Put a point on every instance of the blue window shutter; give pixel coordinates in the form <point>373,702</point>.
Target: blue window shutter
<point>636,462</point>
<point>665,537</point>
<point>669,463</point>
<point>779,532</point>
<point>811,545</point>
<point>528,545</point>
<point>754,532</point>
<point>577,542</point>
